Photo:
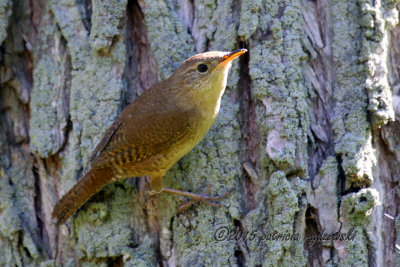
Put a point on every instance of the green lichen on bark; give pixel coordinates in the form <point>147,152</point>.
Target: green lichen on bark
<point>214,25</point>
<point>249,18</point>
<point>362,67</point>
<point>96,93</point>
<point>20,240</point>
<point>283,206</point>
<point>275,65</point>
<point>18,232</point>
<point>376,20</point>
<point>362,103</point>
<point>5,12</point>
<point>102,228</point>
<point>350,122</point>
<point>166,33</point>
<point>355,212</point>
<point>68,18</point>
<point>282,212</point>
<point>195,243</point>
<point>106,23</point>
<point>49,96</point>
<point>356,208</point>
<point>277,81</point>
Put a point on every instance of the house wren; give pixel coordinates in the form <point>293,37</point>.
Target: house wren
<point>156,130</point>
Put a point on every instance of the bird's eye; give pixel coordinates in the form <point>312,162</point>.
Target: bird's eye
<point>202,68</point>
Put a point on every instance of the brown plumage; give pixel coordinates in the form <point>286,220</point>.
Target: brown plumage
<point>86,187</point>
<point>156,130</point>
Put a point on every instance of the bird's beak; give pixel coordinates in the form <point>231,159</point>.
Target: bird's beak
<point>229,57</point>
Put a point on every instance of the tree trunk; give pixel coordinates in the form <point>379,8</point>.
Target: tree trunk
<point>307,137</point>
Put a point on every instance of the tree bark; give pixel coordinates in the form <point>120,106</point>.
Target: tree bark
<point>307,137</point>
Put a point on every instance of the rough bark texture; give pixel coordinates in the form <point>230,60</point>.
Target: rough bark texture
<point>308,135</point>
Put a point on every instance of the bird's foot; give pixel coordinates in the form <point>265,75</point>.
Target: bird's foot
<point>194,198</point>
<point>154,192</point>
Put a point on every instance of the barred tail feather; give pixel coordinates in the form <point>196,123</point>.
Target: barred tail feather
<point>87,186</point>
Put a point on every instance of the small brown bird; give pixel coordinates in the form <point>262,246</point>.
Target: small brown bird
<point>156,130</point>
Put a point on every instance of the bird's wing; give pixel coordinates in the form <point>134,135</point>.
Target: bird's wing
<point>137,135</point>
<point>106,138</point>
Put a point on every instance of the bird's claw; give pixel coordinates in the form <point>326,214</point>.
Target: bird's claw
<point>204,198</point>
<point>153,192</point>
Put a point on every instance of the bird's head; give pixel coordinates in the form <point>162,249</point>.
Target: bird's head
<point>206,71</point>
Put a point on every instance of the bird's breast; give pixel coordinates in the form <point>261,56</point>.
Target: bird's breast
<point>200,124</point>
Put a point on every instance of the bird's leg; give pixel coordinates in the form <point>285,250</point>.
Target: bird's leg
<point>157,187</point>
<point>195,197</point>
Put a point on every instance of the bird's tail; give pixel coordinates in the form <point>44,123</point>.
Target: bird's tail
<point>87,186</point>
